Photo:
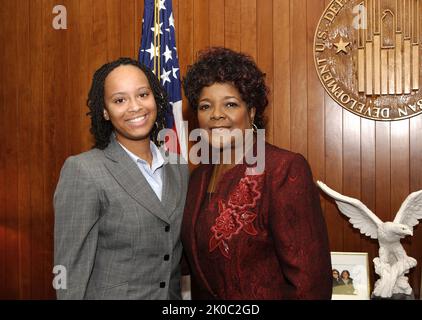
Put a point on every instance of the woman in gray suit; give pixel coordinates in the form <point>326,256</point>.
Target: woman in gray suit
<point>118,207</point>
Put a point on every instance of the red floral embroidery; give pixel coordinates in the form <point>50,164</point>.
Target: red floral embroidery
<point>236,215</point>
<point>245,195</point>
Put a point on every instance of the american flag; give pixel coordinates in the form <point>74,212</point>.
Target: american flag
<point>158,51</point>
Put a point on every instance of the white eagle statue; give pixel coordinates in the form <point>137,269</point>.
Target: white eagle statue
<point>393,262</point>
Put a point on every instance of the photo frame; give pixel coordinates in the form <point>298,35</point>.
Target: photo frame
<point>353,276</point>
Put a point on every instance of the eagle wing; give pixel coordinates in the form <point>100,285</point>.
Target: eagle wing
<point>359,215</point>
<point>411,210</point>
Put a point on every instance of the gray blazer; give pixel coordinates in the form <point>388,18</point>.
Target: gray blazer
<point>113,235</point>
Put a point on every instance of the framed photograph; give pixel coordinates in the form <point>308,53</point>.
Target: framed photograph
<point>350,276</point>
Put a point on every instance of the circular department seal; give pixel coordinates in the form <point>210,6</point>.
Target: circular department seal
<point>368,56</point>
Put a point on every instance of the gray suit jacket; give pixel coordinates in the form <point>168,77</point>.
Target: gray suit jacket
<point>112,234</point>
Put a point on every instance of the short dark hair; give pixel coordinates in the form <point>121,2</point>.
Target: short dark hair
<point>102,129</point>
<point>220,65</point>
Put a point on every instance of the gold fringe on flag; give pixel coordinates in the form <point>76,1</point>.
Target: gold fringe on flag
<point>157,39</point>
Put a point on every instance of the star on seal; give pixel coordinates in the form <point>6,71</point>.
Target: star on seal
<point>341,46</point>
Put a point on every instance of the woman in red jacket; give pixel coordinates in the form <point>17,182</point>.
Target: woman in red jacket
<point>249,234</point>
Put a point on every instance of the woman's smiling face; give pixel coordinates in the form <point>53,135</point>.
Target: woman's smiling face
<point>221,111</point>
<point>129,103</point>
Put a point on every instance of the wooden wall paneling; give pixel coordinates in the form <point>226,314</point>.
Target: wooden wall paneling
<point>139,14</point>
<point>232,24</point>
<point>382,174</point>
<point>315,100</point>
<point>63,106</point>
<point>367,142</point>
<point>400,179</point>
<point>298,77</point>
<point>185,49</point>
<point>98,43</point>
<point>383,165</point>
<point>35,149</point>
<point>87,67</point>
<point>351,175</point>
<point>248,38</point>
<point>415,185</point>
<point>23,143</point>
<point>315,97</point>
<point>201,18</point>
<point>55,112</point>
<point>333,168</point>
<point>402,185</point>
<point>248,27</point>
<point>400,172</point>
<point>216,22</point>
<point>75,61</point>
<point>114,35</point>
<point>99,38</point>
<point>282,73</point>
<point>3,261</point>
<point>10,139</point>
<point>186,31</point>
<point>265,56</point>
<point>127,29</point>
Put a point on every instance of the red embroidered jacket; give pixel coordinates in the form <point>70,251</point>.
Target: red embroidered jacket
<point>260,236</point>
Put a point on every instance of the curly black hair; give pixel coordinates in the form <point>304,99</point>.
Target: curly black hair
<point>102,129</point>
<point>220,65</point>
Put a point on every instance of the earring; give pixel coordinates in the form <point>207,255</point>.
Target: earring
<point>106,116</point>
<point>255,128</point>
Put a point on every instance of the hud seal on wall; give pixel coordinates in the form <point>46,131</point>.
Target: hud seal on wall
<point>368,56</point>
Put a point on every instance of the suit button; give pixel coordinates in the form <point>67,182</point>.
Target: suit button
<point>162,284</point>
<point>166,257</point>
<point>167,228</point>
